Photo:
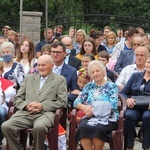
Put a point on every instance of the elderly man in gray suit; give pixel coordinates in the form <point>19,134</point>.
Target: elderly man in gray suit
<point>36,102</point>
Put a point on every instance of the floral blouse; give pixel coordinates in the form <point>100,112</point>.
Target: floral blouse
<point>92,92</point>
<point>15,73</point>
<point>29,69</point>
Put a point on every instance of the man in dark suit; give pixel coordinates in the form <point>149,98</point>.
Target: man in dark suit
<point>127,56</point>
<point>70,59</point>
<point>37,100</point>
<point>58,52</point>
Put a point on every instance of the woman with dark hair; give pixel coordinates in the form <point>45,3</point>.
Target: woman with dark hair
<point>26,56</point>
<point>98,38</point>
<point>88,47</point>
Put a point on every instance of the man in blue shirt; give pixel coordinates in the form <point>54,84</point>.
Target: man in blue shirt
<point>48,40</point>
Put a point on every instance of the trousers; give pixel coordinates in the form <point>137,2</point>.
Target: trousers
<point>132,117</point>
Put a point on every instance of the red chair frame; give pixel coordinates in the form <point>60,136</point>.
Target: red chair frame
<point>116,142</point>
<point>60,118</point>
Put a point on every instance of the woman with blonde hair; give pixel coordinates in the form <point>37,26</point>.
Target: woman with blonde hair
<point>11,35</point>
<point>110,42</point>
<point>79,38</point>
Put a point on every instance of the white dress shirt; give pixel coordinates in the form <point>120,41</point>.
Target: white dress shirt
<point>126,74</point>
<point>42,81</point>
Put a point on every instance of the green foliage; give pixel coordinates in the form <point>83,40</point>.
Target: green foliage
<point>74,12</point>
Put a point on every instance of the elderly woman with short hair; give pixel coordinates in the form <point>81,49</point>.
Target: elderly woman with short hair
<point>12,70</point>
<point>97,97</point>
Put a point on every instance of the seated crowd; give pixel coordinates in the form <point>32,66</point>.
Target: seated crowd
<point>78,70</point>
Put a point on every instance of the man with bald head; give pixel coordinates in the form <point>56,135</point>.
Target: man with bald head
<point>141,53</point>
<point>37,100</point>
<point>70,59</point>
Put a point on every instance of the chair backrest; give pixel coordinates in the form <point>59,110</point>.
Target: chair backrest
<point>116,141</point>
<point>63,118</point>
<point>121,103</point>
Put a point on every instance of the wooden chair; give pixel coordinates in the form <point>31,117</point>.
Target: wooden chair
<point>116,142</point>
<point>52,135</point>
<point>10,104</point>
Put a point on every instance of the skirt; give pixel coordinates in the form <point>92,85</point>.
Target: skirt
<point>103,132</point>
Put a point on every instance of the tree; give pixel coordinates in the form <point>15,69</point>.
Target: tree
<point>75,12</point>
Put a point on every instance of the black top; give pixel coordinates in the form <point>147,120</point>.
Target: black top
<point>101,48</point>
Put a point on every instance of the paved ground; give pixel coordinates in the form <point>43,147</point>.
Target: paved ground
<point>138,145</point>
<point>106,147</point>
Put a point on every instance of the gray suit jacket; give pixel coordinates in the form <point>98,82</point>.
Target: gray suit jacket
<point>52,95</point>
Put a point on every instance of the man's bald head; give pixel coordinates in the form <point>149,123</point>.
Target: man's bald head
<point>45,65</point>
<point>47,58</point>
<point>141,53</point>
<point>143,49</point>
<point>137,41</point>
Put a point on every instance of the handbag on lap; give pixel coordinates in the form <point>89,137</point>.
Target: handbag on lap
<point>142,102</point>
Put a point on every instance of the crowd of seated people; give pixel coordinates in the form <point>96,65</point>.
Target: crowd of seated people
<point>121,56</point>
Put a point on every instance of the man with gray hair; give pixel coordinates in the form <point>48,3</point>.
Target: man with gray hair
<point>5,30</point>
<point>141,53</point>
<point>70,59</point>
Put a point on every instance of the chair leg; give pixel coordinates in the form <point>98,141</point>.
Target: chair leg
<point>30,139</point>
<point>72,142</point>
<point>52,140</point>
<point>7,146</point>
<point>23,139</point>
<point>116,142</point>
<point>125,141</point>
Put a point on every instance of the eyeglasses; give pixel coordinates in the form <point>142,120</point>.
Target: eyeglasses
<point>56,52</point>
<point>135,44</point>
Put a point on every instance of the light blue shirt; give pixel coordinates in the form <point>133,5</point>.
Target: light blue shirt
<point>42,81</point>
<point>57,69</point>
